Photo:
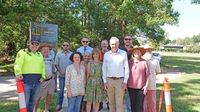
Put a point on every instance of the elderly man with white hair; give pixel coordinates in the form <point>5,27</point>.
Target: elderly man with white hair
<point>115,75</point>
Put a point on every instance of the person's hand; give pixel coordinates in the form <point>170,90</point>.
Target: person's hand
<point>124,86</point>
<point>69,93</point>
<point>145,90</point>
<point>41,80</point>
<point>19,77</point>
<point>105,86</point>
<point>62,72</point>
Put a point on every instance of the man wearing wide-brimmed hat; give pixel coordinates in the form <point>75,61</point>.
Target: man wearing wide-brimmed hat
<point>138,78</point>
<point>48,84</point>
<point>154,68</point>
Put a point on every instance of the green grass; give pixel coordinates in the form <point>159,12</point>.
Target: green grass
<point>6,66</point>
<point>185,91</point>
<point>12,106</point>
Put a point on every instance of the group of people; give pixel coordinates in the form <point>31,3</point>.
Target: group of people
<point>90,76</point>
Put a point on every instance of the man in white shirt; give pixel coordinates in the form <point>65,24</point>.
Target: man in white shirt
<point>115,75</point>
<point>85,48</point>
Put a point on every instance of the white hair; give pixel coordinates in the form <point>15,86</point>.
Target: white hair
<point>114,39</point>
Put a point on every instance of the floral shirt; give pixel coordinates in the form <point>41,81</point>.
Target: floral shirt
<point>75,79</point>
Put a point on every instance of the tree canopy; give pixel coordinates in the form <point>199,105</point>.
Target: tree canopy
<point>96,19</point>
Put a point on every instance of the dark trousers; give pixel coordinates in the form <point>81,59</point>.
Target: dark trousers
<point>137,99</point>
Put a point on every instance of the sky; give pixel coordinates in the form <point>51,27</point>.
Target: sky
<point>189,20</point>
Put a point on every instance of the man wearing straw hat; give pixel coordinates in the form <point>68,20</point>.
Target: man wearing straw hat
<point>154,68</point>
<point>48,84</point>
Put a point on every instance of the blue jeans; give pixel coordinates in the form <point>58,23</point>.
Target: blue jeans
<point>31,92</point>
<point>74,104</point>
<point>61,90</point>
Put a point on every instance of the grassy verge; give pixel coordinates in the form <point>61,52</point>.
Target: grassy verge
<point>185,91</point>
<point>12,106</point>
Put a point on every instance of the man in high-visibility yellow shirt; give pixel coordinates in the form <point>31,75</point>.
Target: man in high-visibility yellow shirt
<point>30,68</point>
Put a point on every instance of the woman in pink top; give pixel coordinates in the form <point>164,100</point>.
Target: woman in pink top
<point>138,79</point>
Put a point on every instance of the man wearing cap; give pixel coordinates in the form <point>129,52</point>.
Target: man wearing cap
<point>154,68</point>
<point>30,68</point>
<point>138,79</point>
<point>48,84</point>
<point>115,75</point>
<point>62,60</point>
<point>85,48</point>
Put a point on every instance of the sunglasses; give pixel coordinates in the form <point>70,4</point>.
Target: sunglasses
<point>65,45</point>
<point>35,43</point>
<point>127,39</point>
<point>85,41</point>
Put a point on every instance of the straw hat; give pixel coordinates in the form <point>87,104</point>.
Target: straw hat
<point>142,50</point>
<point>45,45</point>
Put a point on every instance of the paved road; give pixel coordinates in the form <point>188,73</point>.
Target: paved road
<point>8,86</point>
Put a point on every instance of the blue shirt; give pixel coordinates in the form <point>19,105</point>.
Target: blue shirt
<point>49,66</point>
<point>63,60</point>
<point>83,50</point>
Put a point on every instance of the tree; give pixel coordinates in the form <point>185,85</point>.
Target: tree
<point>97,19</point>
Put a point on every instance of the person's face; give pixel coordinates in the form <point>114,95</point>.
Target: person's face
<point>65,46</point>
<point>104,45</point>
<point>127,40</point>
<point>114,44</point>
<point>86,57</point>
<point>45,51</point>
<point>137,53</point>
<point>85,42</point>
<point>76,58</point>
<point>34,46</point>
<point>96,56</point>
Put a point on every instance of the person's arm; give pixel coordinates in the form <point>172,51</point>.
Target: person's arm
<point>147,73</point>
<point>19,61</point>
<point>87,72</point>
<point>43,68</point>
<point>126,69</point>
<point>126,72</point>
<point>104,71</point>
<point>158,70</point>
<point>57,64</point>
<point>67,81</point>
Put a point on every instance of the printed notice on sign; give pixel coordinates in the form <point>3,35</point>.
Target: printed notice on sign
<point>48,33</point>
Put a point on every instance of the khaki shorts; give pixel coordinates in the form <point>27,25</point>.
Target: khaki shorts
<point>47,87</point>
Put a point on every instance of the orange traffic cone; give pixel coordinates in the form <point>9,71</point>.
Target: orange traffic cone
<point>21,96</point>
<point>167,96</point>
